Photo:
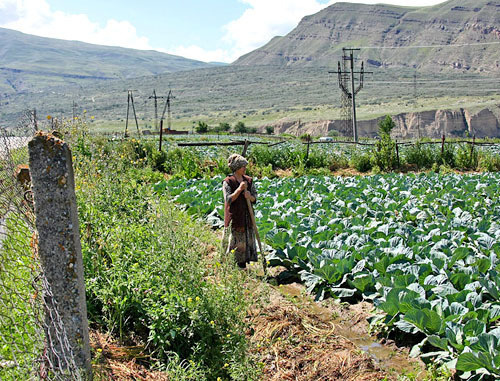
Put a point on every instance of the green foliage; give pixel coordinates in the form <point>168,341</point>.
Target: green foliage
<point>385,126</point>
<point>489,162</point>
<point>384,152</point>
<point>240,128</point>
<point>305,137</point>
<point>201,127</point>
<point>147,278</point>
<point>424,248</point>
<point>361,161</point>
<point>466,157</point>
<point>422,156</point>
<point>223,127</point>
<point>18,324</point>
<point>269,130</point>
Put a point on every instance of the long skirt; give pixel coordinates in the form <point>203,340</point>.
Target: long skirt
<point>243,244</point>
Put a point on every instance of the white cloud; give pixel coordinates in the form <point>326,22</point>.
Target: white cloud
<point>264,20</point>
<point>198,53</point>
<point>36,17</point>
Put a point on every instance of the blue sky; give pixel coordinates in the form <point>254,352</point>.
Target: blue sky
<point>207,30</point>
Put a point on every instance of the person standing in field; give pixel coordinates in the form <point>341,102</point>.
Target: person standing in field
<point>237,188</point>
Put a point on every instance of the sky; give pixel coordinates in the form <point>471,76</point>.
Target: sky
<point>205,30</point>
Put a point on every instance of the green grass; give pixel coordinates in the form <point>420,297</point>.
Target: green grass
<point>148,279</point>
<point>20,344</point>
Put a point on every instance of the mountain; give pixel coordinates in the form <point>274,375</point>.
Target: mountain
<point>30,63</point>
<point>465,35</point>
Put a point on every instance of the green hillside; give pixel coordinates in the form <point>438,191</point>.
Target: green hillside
<point>31,63</point>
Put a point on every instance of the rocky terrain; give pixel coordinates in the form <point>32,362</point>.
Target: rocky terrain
<point>393,36</point>
<point>432,124</point>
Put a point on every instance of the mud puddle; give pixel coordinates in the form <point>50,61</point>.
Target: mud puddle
<point>350,323</point>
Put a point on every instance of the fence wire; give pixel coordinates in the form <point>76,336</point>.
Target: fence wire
<point>33,344</point>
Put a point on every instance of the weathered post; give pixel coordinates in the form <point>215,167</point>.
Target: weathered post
<point>60,254</point>
<point>397,153</point>
<point>442,146</point>
<point>308,145</point>
<point>245,147</point>
<point>472,148</point>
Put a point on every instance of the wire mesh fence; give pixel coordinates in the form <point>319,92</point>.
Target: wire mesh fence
<point>33,343</point>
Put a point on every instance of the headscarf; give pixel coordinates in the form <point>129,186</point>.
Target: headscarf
<point>236,161</point>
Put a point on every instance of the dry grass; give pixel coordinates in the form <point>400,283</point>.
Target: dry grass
<point>293,343</point>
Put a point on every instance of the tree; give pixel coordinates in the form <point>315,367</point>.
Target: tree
<point>223,126</point>
<point>240,128</point>
<point>384,154</point>
<point>202,127</point>
<point>385,126</point>
<point>269,130</point>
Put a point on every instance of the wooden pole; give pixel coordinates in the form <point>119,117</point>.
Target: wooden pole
<point>245,148</point>
<point>472,148</point>
<point>442,146</point>
<point>397,152</point>
<point>254,224</point>
<point>135,115</point>
<point>128,109</point>
<point>161,134</point>
<point>308,145</point>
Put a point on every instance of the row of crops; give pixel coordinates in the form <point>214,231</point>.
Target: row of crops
<point>423,248</point>
<point>315,159</point>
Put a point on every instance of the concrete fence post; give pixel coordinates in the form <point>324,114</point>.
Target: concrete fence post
<point>60,252</point>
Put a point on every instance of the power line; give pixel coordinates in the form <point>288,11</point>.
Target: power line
<point>429,46</point>
<point>439,81</point>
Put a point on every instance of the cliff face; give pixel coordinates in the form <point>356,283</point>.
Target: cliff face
<point>432,124</point>
<point>472,26</point>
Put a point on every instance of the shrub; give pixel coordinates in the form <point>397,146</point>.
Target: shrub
<point>361,161</point>
<point>489,162</point>
<point>384,153</point>
<point>269,130</point>
<point>146,277</point>
<point>240,128</point>
<point>423,156</point>
<point>201,127</point>
<point>466,157</point>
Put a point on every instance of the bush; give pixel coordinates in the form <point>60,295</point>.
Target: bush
<point>384,153</point>
<point>489,162</point>
<point>422,156</point>
<point>146,277</point>
<point>466,157</point>
<point>201,127</point>
<point>158,160</point>
<point>269,130</point>
<point>240,128</point>
<point>361,161</point>
<point>223,127</point>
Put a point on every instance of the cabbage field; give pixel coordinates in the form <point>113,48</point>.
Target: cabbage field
<point>423,248</point>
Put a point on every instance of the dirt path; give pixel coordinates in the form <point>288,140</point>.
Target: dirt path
<point>299,339</point>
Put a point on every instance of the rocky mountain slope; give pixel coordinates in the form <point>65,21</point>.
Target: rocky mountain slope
<point>29,62</point>
<point>465,35</point>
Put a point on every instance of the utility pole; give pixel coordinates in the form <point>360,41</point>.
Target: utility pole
<point>156,97</point>
<point>167,108</point>
<point>350,94</point>
<point>130,100</point>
